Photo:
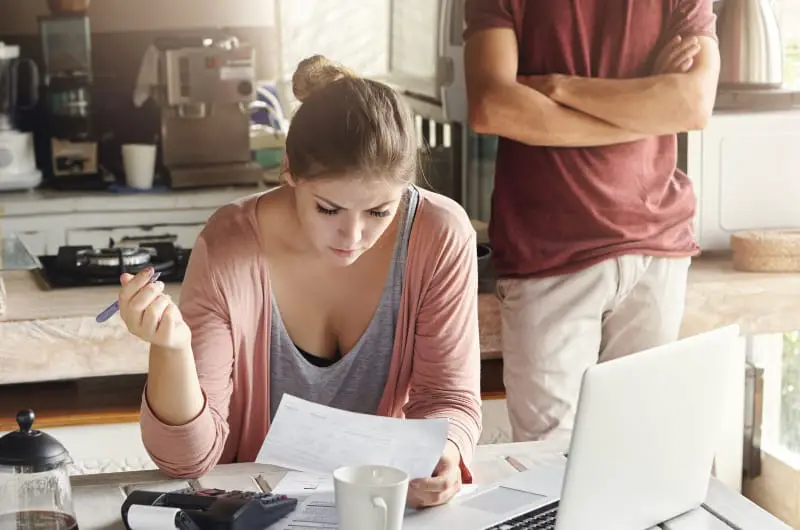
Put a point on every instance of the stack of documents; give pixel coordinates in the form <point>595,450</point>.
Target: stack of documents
<point>314,440</point>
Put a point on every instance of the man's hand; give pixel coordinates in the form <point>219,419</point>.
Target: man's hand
<point>659,104</point>
<point>677,57</point>
<point>443,485</point>
<point>546,85</point>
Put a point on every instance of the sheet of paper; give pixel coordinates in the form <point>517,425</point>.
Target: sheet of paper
<point>299,484</point>
<point>316,512</point>
<point>313,438</point>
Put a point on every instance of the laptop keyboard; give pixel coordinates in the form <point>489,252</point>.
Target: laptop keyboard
<point>543,518</point>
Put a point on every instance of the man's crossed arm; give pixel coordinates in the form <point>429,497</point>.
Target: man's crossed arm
<point>576,112</point>
<point>655,105</point>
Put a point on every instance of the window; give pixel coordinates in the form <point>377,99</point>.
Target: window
<point>789,430</point>
<point>779,356</point>
<point>788,12</point>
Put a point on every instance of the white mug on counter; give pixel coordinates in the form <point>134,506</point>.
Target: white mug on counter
<point>139,161</point>
<point>370,497</point>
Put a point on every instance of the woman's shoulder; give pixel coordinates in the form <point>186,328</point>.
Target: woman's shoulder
<point>441,221</point>
<point>231,232</point>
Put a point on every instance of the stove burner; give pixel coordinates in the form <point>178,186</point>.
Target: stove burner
<point>84,265</point>
<point>110,257</point>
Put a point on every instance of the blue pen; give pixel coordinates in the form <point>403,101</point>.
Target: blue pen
<point>109,312</point>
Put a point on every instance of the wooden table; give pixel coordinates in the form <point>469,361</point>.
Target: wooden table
<point>98,498</point>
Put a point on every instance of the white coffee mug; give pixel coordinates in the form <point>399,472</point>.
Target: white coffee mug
<point>139,162</point>
<point>370,497</point>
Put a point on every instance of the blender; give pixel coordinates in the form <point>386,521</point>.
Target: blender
<point>17,156</point>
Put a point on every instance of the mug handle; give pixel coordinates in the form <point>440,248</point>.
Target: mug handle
<point>381,504</point>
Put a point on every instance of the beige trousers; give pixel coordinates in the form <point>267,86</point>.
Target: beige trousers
<point>554,328</point>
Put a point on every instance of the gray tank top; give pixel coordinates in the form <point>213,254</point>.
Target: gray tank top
<point>356,381</point>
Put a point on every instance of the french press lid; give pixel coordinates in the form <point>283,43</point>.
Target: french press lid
<point>31,448</point>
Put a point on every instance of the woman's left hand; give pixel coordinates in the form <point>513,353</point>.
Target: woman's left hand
<point>443,485</point>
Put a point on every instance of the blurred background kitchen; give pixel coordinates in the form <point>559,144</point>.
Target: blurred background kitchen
<point>125,124</point>
<point>138,103</point>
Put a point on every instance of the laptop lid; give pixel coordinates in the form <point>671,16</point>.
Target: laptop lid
<point>646,429</point>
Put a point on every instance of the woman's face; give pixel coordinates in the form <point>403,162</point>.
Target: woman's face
<point>345,217</point>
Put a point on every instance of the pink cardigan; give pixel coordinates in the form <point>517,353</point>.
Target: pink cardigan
<point>225,299</point>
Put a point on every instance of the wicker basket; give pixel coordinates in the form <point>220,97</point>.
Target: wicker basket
<point>65,7</point>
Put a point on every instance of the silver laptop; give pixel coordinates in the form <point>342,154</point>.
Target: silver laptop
<point>641,451</point>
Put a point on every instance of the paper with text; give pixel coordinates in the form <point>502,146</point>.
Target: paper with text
<point>300,484</point>
<point>308,437</point>
<point>318,510</point>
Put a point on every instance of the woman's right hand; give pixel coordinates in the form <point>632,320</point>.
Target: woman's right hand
<point>150,314</point>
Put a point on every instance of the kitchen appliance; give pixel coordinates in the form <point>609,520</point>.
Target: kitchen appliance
<point>751,51</point>
<point>17,155</point>
<point>743,167</point>
<point>205,509</point>
<point>205,88</point>
<point>35,490</point>
<point>426,65</point>
<point>83,266</point>
<point>72,139</point>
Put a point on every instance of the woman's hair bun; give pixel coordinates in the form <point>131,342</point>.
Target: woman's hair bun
<point>315,73</point>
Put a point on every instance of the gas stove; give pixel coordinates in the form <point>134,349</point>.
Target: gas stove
<point>84,266</point>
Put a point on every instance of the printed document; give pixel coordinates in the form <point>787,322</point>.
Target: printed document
<point>318,511</point>
<point>313,438</point>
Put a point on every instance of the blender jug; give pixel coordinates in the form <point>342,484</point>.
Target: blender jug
<point>9,85</point>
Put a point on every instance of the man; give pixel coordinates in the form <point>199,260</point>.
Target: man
<point>591,221</point>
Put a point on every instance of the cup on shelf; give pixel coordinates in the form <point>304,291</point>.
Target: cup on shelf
<point>139,162</point>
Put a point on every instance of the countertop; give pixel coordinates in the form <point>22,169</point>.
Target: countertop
<point>98,498</point>
<point>48,335</point>
<point>45,201</point>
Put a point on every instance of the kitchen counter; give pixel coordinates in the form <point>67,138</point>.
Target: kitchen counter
<point>54,202</point>
<point>52,335</point>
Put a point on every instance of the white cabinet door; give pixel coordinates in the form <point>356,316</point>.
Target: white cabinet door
<point>183,235</point>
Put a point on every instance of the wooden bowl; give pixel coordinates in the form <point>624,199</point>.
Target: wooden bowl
<point>67,7</point>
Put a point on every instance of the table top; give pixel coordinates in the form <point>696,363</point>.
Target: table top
<point>98,498</point>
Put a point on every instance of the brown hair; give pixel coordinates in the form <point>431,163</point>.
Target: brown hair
<point>348,125</point>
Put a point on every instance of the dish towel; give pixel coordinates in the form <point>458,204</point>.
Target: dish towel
<point>148,76</point>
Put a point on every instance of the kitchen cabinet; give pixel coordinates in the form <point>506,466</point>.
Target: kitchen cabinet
<point>47,220</point>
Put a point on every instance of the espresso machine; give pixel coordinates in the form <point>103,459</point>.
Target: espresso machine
<point>205,91</point>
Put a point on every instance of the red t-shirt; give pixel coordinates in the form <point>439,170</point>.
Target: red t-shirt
<point>558,210</point>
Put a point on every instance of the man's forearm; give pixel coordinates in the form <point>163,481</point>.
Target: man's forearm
<point>521,113</point>
<point>657,105</point>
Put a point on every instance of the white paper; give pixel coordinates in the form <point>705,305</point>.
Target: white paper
<point>314,438</point>
<point>317,511</point>
<point>300,484</point>
<point>142,517</point>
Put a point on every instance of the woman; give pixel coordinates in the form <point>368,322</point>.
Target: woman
<point>347,286</point>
